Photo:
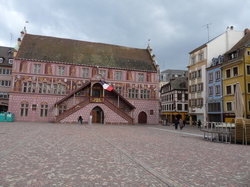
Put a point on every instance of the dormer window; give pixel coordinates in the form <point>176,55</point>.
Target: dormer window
<point>1,60</point>
<point>10,61</point>
<point>232,55</point>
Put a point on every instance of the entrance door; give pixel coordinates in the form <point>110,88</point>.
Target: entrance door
<point>142,117</point>
<point>97,115</point>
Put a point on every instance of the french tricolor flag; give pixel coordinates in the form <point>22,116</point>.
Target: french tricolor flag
<point>106,86</point>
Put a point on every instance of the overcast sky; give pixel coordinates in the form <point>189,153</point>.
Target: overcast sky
<point>174,27</point>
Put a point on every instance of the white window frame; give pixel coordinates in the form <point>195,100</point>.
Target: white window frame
<point>118,75</point>
<point>61,70</point>
<point>44,110</point>
<point>140,77</point>
<point>37,68</point>
<point>201,56</point>
<point>217,76</point>
<point>85,72</point>
<point>217,89</point>
<point>10,61</point>
<point>228,105</point>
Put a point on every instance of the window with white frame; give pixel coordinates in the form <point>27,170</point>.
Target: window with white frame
<point>5,72</point>
<point>229,89</point>
<point>10,61</point>
<point>5,83</point>
<point>24,109</point>
<point>217,89</point>
<point>232,55</point>
<point>179,106</point>
<point>29,87</point>
<point>133,93</point>
<point>229,106</point>
<point>210,75</point>
<point>118,75</point>
<point>210,91</point>
<point>199,73</point>
<point>4,95</point>
<point>145,94</point>
<point>61,70</point>
<point>201,56</point>
<point>200,102</point>
<point>217,76</point>
<point>1,60</point>
<point>37,68</point>
<point>85,72</point>
<point>140,77</point>
<point>103,73</point>
<point>200,87</point>
<point>193,75</point>
<point>186,107</point>
<point>193,60</point>
<point>228,73</point>
<point>179,96</point>
<point>44,88</point>
<point>59,89</point>
<point>44,110</point>
<point>193,102</point>
<point>193,88</point>
<point>235,71</point>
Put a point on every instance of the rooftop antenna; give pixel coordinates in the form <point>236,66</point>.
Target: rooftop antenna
<point>207,25</point>
<point>11,35</point>
<point>148,41</point>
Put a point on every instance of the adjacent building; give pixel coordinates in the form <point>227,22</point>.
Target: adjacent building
<point>57,79</point>
<point>200,59</point>
<point>174,99</point>
<point>6,60</point>
<point>214,103</point>
<point>236,68</point>
<point>168,74</point>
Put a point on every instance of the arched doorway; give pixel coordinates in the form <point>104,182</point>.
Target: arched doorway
<point>142,117</point>
<point>97,90</point>
<point>97,115</point>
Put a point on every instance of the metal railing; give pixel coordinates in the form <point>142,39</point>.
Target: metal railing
<point>218,131</point>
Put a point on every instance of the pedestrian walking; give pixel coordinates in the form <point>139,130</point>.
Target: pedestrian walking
<point>184,122</point>
<point>176,123</point>
<point>80,119</point>
<point>181,124</point>
<point>199,123</point>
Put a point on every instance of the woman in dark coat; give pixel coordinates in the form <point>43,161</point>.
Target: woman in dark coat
<point>80,119</point>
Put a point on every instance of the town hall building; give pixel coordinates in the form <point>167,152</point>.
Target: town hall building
<point>57,80</point>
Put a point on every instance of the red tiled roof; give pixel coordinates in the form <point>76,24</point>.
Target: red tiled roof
<point>45,48</point>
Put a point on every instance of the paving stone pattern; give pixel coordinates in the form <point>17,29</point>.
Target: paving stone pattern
<point>72,155</point>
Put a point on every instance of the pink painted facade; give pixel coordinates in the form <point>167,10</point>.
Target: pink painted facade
<point>52,91</point>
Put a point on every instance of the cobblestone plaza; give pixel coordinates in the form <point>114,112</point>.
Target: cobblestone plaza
<point>53,154</point>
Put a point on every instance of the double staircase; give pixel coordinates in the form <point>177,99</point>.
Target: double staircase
<point>85,102</point>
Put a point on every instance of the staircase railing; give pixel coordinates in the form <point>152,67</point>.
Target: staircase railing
<point>118,111</point>
<point>72,110</point>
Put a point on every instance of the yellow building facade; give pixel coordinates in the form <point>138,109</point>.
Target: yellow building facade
<point>236,68</point>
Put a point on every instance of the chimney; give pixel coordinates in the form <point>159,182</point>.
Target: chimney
<point>246,31</point>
